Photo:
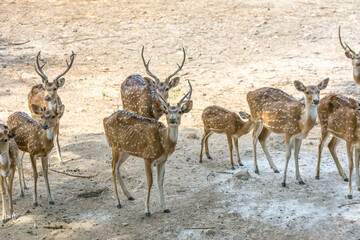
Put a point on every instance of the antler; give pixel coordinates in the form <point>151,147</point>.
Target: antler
<point>147,66</point>
<point>72,57</point>
<point>158,96</point>
<point>39,68</point>
<point>187,96</point>
<point>179,67</point>
<point>347,48</point>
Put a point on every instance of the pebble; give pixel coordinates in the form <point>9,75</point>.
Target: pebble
<point>210,232</point>
<point>242,175</point>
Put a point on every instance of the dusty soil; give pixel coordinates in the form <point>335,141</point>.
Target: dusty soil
<point>232,47</point>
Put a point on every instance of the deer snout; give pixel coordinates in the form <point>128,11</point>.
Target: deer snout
<point>45,126</point>
<point>316,101</point>
<point>47,98</point>
<point>357,64</point>
<point>172,120</point>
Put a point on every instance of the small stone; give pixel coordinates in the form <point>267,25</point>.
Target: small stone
<point>125,224</point>
<point>210,232</point>
<point>7,89</point>
<point>193,136</point>
<point>242,175</point>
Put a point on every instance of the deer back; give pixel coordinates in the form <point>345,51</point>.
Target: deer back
<point>29,134</point>
<point>332,103</point>
<point>138,96</point>
<point>134,134</point>
<point>279,111</point>
<point>221,120</point>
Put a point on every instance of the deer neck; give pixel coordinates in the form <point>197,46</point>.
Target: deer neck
<point>4,163</point>
<point>47,137</point>
<point>308,118</point>
<point>246,128</point>
<point>171,138</point>
<point>356,75</point>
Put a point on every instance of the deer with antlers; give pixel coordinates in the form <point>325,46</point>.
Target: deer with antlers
<point>220,120</point>
<point>45,94</point>
<point>37,138</point>
<point>138,93</point>
<point>273,110</point>
<point>8,162</point>
<point>339,116</point>
<point>355,59</point>
<point>129,134</point>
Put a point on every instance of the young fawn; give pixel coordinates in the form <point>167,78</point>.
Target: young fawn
<point>129,134</point>
<point>219,120</point>
<point>8,161</point>
<point>36,138</point>
<point>273,110</point>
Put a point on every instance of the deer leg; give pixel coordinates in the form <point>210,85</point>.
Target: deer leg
<point>20,176</point>
<point>35,175</point>
<point>263,137</point>
<point>357,155</point>
<point>350,157</point>
<point>56,143</point>
<point>332,147</point>
<point>256,132</point>
<point>2,183</point>
<point>149,179</point>
<point>231,151</point>
<point>324,136</point>
<point>207,146</point>
<point>9,190</point>
<point>205,135</point>
<point>21,166</point>
<point>236,143</point>
<point>45,167</point>
<point>115,166</point>
<point>160,177</point>
<point>296,156</point>
<point>123,157</point>
<point>288,155</point>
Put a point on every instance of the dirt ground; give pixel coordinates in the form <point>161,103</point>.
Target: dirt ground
<point>232,47</point>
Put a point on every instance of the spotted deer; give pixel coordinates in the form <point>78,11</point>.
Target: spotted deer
<point>328,111</point>
<point>129,134</point>
<point>138,93</point>
<point>220,120</point>
<point>355,59</point>
<point>8,162</point>
<point>36,138</point>
<point>273,110</point>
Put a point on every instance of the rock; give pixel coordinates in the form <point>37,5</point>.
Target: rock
<point>125,224</point>
<point>210,232</point>
<point>27,75</point>
<point>242,175</point>
<point>193,136</point>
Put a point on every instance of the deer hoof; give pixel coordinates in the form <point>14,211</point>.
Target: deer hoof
<point>232,168</point>
<point>317,177</point>
<point>283,184</point>
<point>22,195</point>
<point>52,202</point>
<point>200,161</point>
<point>147,214</point>
<point>241,164</point>
<point>119,206</point>
<point>210,158</point>
<point>131,198</point>
<point>35,204</point>
<point>346,180</point>
<point>301,182</point>
<point>276,171</point>
<point>359,189</point>
<point>257,172</point>
<point>167,211</point>
<point>349,196</point>
<point>26,188</point>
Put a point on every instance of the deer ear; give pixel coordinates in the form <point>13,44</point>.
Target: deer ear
<point>348,55</point>
<point>187,106</point>
<point>244,115</point>
<point>60,82</point>
<point>149,82</point>
<point>36,109</point>
<point>323,84</point>
<point>299,86</point>
<point>12,132</point>
<point>174,82</point>
<point>60,111</point>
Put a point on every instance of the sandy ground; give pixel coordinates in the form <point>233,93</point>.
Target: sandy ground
<point>232,47</point>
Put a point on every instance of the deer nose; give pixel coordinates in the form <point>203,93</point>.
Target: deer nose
<point>45,126</point>
<point>172,120</point>
<point>47,98</point>
<point>316,101</point>
<point>357,64</point>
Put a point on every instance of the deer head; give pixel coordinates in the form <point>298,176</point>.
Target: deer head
<point>311,92</point>
<point>48,117</point>
<point>174,113</point>
<point>355,58</point>
<point>5,135</point>
<point>59,81</point>
<point>170,82</point>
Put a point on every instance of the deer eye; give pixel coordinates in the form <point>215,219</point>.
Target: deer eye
<point>5,140</point>
<point>167,89</point>
<point>180,112</point>
<point>55,89</point>
<point>52,116</point>
<point>307,92</point>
